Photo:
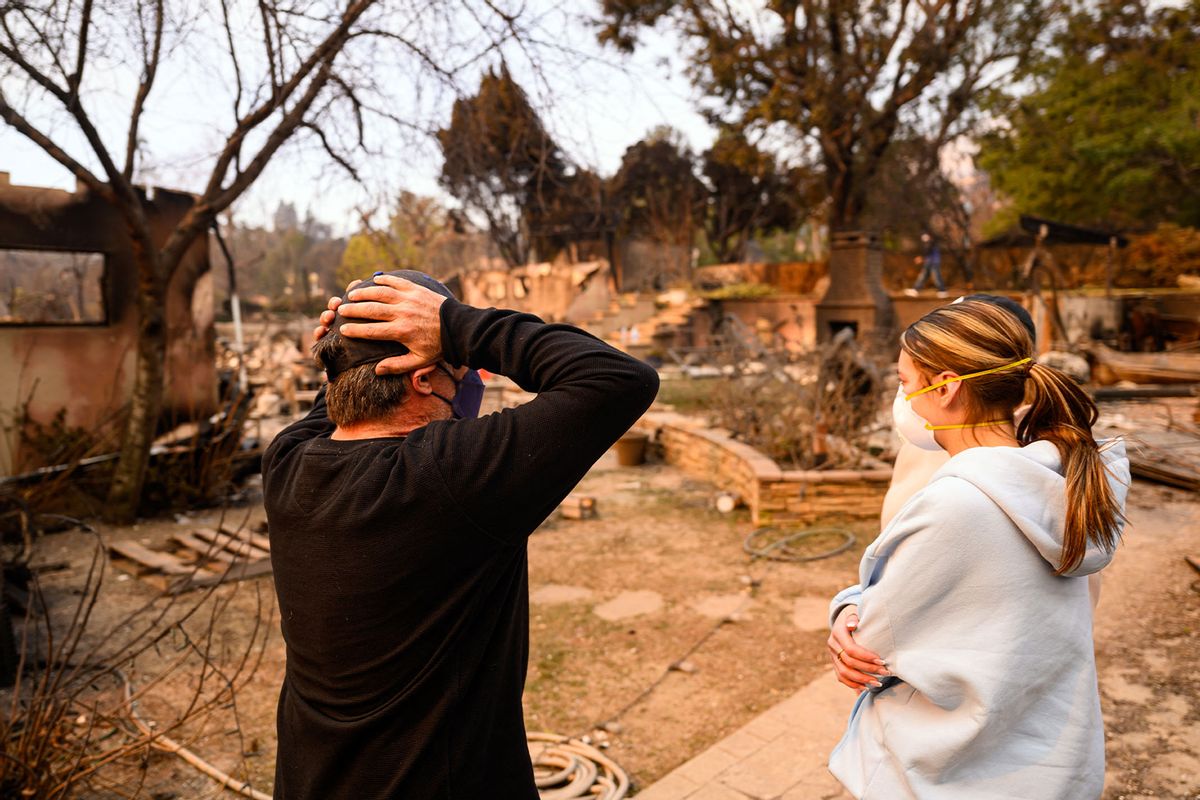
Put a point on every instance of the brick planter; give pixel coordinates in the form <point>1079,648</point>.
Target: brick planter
<point>773,495</point>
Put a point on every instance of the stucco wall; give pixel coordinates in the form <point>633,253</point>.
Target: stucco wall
<point>88,370</point>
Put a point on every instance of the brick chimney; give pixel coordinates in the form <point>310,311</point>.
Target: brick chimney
<point>856,298</point>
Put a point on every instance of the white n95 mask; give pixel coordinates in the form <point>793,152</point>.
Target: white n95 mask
<point>912,426</point>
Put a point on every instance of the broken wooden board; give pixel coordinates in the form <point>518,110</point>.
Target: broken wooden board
<point>1170,457</point>
<point>207,550</point>
<point>147,560</point>
<point>201,558</point>
<point>1165,473</point>
<point>1161,367</point>
<point>1167,457</point>
<point>261,543</point>
<point>237,572</point>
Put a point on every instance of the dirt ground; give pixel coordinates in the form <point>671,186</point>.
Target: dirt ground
<point>1147,648</point>
<point>659,578</point>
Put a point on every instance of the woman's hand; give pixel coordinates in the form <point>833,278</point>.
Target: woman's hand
<point>855,666</point>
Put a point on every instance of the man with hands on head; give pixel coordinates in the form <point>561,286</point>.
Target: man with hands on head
<point>399,522</point>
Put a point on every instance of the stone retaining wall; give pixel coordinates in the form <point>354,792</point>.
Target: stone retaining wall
<point>773,495</point>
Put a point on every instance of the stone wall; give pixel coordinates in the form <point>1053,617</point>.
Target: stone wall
<point>773,495</point>
<point>789,321</point>
<point>808,494</point>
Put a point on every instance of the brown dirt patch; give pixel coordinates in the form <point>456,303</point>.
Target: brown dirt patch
<point>657,533</point>
<point>1147,643</point>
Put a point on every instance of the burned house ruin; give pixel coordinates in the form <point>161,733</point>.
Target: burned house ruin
<point>68,313</point>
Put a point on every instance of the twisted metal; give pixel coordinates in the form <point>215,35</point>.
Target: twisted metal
<point>566,769</point>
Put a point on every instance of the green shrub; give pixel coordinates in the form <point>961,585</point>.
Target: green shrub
<point>741,291</point>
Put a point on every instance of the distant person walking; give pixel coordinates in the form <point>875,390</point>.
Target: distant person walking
<point>931,266</point>
<point>973,595</point>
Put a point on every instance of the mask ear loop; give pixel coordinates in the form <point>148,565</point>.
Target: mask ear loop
<point>929,427</point>
<point>940,384</point>
<point>457,383</point>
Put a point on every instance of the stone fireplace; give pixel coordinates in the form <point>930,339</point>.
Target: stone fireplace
<point>856,298</point>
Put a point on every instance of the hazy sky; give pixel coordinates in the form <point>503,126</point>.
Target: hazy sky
<point>595,101</point>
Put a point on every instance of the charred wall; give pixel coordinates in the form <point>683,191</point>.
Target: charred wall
<point>87,368</point>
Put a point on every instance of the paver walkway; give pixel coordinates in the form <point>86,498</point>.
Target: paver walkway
<point>780,754</point>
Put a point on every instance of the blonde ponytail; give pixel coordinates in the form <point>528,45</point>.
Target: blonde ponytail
<point>1062,413</point>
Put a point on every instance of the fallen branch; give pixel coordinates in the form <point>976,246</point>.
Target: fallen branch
<point>169,745</point>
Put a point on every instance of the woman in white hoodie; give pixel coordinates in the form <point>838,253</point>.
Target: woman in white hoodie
<point>973,595</point>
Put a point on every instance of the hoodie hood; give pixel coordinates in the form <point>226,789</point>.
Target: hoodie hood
<point>1027,484</point>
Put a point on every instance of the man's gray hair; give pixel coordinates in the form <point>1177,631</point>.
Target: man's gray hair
<point>357,395</point>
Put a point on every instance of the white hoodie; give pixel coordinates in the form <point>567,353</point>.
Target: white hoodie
<point>994,694</point>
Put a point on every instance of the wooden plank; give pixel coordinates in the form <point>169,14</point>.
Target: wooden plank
<point>1163,472</point>
<point>243,548</point>
<point>260,540</point>
<point>1150,367</point>
<point>240,571</point>
<point>205,550</point>
<point>151,559</point>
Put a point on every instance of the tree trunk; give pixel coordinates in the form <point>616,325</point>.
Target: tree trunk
<point>10,656</point>
<point>836,186</point>
<point>844,178</point>
<point>145,406</point>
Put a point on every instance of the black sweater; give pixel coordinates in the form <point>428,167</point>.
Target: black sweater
<point>400,565</point>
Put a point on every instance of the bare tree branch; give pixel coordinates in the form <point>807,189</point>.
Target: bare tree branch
<point>26,129</point>
<point>77,111</point>
<point>76,78</point>
<point>13,55</point>
<point>317,60</point>
<point>233,59</point>
<point>268,42</point>
<point>43,39</point>
<point>211,203</point>
<point>449,75</point>
<point>334,156</point>
<point>150,70</point>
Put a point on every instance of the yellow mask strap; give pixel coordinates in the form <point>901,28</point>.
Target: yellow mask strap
<point>929,427</point>
<point>940,384</point>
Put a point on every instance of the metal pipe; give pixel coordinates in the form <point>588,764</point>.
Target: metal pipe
<point>235,306</point>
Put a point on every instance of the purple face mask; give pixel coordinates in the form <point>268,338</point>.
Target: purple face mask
<point>468,394</point>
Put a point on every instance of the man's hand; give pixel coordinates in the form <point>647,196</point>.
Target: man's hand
<point>855,666</point>
<point>401,311</point>
<point>329,314</point>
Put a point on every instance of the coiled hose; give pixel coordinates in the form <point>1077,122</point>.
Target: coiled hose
<point>760,545</point>
<point>566,769</point>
